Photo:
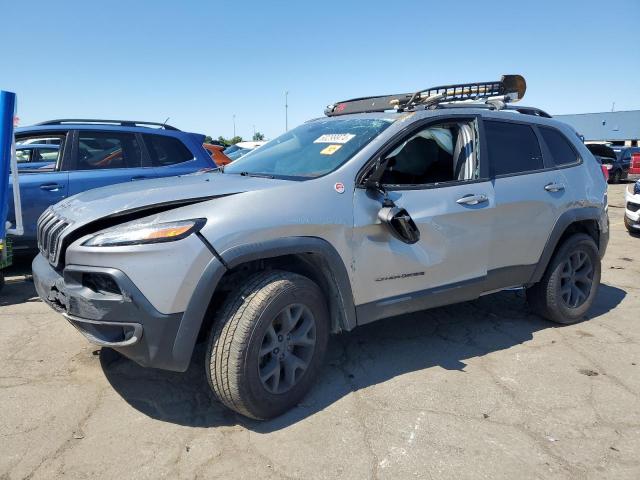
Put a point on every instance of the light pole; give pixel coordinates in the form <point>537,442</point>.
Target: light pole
<point>234,125</point>
<point>286,111</point>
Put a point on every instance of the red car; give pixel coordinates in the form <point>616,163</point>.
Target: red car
<point>216,153</point>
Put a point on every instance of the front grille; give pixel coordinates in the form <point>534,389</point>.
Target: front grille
<point>633,207</point>
<point>50,234</point>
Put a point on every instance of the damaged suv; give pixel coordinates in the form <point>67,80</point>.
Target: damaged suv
<point>387,205</point>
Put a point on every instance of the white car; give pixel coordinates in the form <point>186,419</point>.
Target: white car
<point>632,207</point>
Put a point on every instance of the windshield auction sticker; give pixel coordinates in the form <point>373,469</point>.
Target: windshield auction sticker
<point>341,138</point>
<point>330,150</point>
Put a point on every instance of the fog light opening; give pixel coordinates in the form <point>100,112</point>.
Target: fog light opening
<point>100,283</point>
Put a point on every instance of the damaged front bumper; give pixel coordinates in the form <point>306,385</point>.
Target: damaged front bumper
<point>110,311</point>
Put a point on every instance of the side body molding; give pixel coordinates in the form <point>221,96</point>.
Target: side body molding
<point>566,219</point>
<point>334,269</point>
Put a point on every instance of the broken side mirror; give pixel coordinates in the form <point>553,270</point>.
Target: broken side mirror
<point>399,223</point>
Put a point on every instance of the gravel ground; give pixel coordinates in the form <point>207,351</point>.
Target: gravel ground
<point>482,389</point>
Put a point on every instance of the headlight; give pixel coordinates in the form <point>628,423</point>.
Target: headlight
<point>135,233</point>
<point>636,188</point>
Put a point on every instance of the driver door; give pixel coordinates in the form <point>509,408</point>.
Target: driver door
<point>435,174</point>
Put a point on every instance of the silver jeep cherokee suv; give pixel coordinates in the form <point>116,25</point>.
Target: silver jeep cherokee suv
<point>387,205</point>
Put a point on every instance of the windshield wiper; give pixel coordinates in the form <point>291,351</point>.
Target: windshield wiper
<point>259,175</point>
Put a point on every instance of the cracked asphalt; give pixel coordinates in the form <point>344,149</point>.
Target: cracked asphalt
<point>483,389</point>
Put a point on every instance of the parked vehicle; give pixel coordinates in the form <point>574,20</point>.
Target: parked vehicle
<point>216,152</point>
<point>634,170</point>
<point>618,169</point>
<point>237,150</point>
<point>342,221</point>
<point>632,208</point>
<point>85,154</point>
<point>37,156</point>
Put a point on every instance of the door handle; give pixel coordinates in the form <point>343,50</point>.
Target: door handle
<point>554,187</point>
<point>472,199</point>
<point>50,187</point>
<point>139,177</point>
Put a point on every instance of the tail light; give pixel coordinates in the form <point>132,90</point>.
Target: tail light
<point>635,163</point>
<point>605,172</point>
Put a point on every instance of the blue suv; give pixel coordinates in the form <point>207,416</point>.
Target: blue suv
<point>95,153</point>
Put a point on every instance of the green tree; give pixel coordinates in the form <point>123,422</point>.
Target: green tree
<point>208,139</point>
<point>230,141</point>
<point>258,137</point>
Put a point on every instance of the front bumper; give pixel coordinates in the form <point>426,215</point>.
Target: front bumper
<point>110,311</point>
<point>632,209</point>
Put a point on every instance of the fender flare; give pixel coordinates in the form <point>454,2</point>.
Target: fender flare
<point>278,247</point>
<point>563,222</point>
<point>196,310</point>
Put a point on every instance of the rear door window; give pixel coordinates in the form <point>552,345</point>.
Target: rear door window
<point>166,151</point>
<point>106,150</point>
<point>45,149</point>
<point>561,150</point>
<point>512,147</point>
<point>23,154</point>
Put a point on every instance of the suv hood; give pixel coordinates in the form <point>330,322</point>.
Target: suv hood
<point>124,198</point>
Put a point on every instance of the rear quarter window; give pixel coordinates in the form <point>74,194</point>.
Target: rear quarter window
<point>165,150</point>
<point>512,147</point>
<point>562,152</point>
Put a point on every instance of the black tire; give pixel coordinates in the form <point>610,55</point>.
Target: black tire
<point>235,358</point>
<point>616,177</point>
<point>548,298</point>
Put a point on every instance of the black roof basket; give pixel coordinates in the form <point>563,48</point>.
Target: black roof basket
<point>510,88</point>
<point>123,123</point>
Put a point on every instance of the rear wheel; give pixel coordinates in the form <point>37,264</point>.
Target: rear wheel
<point>267,345</point>
<point>616,177</point>
<point>570,283</point>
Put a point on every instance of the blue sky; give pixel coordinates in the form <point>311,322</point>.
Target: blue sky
<point>201,62</point>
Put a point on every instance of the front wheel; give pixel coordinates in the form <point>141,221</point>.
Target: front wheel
<point>267,344</point>
<point>569,285</point>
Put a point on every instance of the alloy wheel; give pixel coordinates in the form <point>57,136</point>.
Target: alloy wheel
<point>576,279</point>
<point>287,348</point>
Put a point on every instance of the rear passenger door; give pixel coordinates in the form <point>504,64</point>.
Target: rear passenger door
<point>530,196</point>
<point>103,158</point>
<point>40,188</point>
<point>169,156</point>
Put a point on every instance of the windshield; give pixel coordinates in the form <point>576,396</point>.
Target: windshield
<point>230,149</point>
<point>237,153</point>
<point>310,150</point>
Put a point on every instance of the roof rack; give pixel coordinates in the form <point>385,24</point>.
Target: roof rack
<point>510,88</point>
<point>529,111</point>
<point>124,123</point>
<point>491,105</point>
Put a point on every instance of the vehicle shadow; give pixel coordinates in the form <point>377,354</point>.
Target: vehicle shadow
<point>443,337</point>
<point>18,286</point>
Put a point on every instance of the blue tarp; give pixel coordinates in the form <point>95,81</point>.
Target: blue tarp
<point>7,112</point>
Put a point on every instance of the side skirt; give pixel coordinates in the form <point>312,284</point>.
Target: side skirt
<point>463,291</point>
